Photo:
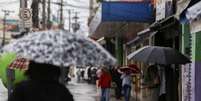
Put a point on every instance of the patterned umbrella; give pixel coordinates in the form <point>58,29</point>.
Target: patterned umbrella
<point>60,48</point>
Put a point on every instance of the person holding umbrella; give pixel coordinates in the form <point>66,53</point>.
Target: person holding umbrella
<point>42,85</point>
<point>153,82</point>
<point>127,80</point>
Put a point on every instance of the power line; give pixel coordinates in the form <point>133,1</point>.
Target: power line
<point>8,2</point>
<point>70,5</point>
<point>11,2</point>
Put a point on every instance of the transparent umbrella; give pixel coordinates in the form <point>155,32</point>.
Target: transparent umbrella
<point>60,48</point>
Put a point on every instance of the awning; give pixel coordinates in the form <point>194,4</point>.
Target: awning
<point>127,11</point>
<point>113,15</point>
<point>153,29</point>
<point>183,18</point>
<point>141,37</point>
<point>194,12</point>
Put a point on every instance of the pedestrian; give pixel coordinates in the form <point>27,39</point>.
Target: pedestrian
<point>42,85</point>
<point>98,73</point>
<point>89,74</point>
<point>162,93</point>
<point>93,75</point>
<point>82,74</point>
<point>78,75</point>
<point>126,84</point>
<point>105,84</point>
<point>153,82</point>
<point>116,77</point>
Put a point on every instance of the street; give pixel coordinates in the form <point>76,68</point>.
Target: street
<point>108,50</point>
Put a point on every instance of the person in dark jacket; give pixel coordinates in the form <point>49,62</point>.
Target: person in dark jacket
<point>42,85</point>
<point>116,76</point>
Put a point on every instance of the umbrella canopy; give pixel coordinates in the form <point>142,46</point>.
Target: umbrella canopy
<point>159,55</point>
<point>60,48</point>
<point>130,68</point>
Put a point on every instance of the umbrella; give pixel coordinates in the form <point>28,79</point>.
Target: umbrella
<point>159,55</point>
<point>60,48</point>
<point>130,68</point>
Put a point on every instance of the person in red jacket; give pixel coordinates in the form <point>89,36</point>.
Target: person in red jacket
<point>105,84</point>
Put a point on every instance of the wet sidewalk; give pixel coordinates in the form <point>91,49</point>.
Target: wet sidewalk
<point>82,91</point>
<point>87,92</point>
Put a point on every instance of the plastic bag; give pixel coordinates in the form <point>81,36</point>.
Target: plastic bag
<point>3,92</point>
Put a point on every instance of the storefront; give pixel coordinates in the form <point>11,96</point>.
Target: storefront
<point>191,40</point>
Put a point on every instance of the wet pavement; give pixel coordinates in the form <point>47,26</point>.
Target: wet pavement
<point>87,92</point>
<point>83,91</point>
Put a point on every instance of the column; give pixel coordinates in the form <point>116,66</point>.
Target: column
<point>187,76</point>
<point>196,63</point>
<point>119,50</point>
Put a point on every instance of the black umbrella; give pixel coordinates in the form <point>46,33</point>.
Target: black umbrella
<point>159,55</point>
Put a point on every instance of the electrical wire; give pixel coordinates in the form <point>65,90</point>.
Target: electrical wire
<point>70,5</point>
<point>8,2</point>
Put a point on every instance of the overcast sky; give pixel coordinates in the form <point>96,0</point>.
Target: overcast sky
<point>80,6</point>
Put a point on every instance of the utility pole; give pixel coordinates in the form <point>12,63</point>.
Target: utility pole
<point>35,9</point>
<point>76,17</point>
<point>44,15</point>
<point>76,25</point>
<point>69,20</point>
<point>48,15</point>
<point>61,15</point>
<point>6,13</point>
<point>23,4</point>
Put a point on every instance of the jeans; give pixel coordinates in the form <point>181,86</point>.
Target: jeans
<point>127,92</point>
<point>105,94</point>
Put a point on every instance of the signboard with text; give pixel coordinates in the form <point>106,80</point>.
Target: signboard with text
<point>26,18</point>
<point>25,14</point>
